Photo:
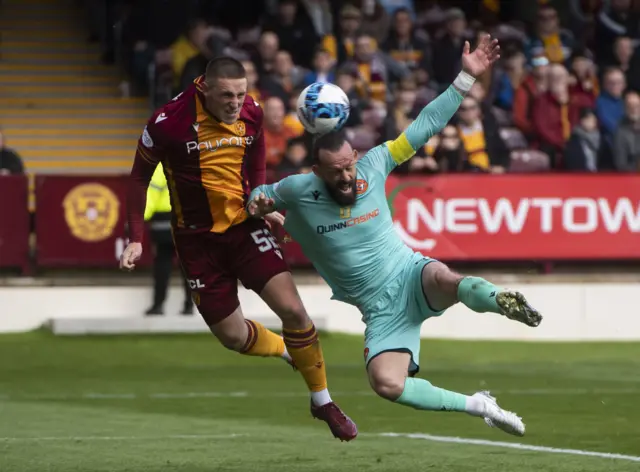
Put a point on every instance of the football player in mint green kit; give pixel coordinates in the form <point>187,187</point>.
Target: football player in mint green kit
<point>340,217</point>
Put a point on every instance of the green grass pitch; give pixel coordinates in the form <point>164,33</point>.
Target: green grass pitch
<point>183,403</point>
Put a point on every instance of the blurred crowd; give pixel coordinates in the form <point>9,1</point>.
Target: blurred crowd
<point>563,97</point>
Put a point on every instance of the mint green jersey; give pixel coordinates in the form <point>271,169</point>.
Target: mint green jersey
<point>356,249</point>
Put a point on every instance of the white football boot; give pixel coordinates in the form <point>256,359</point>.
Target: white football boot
<point>496,417</point>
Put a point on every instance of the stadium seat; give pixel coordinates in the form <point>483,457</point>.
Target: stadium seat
<point>504,117</point>
<point>529,160</point>
<point>513,138</point>
<point>61,108</point>
<point>362,138</point>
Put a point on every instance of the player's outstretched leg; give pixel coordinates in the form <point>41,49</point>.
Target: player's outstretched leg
<point>481,296</point>
<point>303,345</point>
<point>388,377</point>
<point>249,337</point>
<point>443,288</point>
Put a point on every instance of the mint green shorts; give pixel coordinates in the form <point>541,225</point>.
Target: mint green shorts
<point>394,318</point>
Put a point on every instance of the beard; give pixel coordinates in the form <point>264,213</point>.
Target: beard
<point>342,198</point>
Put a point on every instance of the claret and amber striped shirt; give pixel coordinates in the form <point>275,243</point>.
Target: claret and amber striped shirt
<point>210,166</point>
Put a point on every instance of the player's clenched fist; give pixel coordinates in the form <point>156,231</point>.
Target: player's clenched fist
<point>261,206</point>
<point>130,256</point>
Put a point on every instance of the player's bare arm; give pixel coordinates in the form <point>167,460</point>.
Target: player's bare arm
<point>144,165</point>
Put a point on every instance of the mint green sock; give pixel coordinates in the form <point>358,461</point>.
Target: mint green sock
<point>478,294</point>
<point>421,395</point>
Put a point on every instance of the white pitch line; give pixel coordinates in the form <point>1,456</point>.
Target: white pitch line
<point>508,445</point>
<point>120,438</point>
<point>246,394</point>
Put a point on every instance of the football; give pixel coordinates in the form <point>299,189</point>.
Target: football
<point>323,108</point>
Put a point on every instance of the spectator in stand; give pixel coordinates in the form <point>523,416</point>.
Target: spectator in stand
<point>268,47</point>
<point>424,161</point>
<point>284,79</point>
<point>296,158</point>
<point>291,120</point>
<point>583,149</point>
<point>276,134</point>
<point>510,80</point>
<point>615,20</point>
<point>486,110</point>
<point>154,26</point>
<point>252,80</point>
<point>582,16</point>
<point>450,155</point>
<point>407,44</point>
<point>376,71</point>
<point>584,80</point>
<point>623,51</point>
<point>447,50</point>
<point>626,141</point>
<point>320,15</point>
<point>237,15</point>
<point>349,24</point>
<point>346,80</point>
<point>481,140</point>
<point>394,5</point>
<point>322,69</point>
<point>403,111</point>
<point>213,46</point>
<point>550,40</point>
<point>188,46</point>
<point>375,19</point>
<point>535,84</point>
<point>427,88</point>
<point>10,161</point>
<point>610,105</point>
<point>555,113</point>
<point>295,31</point>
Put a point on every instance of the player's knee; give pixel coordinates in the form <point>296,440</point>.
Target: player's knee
<point>293,315</point>
<point>387,386</point>
<point>235,341</point>
<point>445,279</point>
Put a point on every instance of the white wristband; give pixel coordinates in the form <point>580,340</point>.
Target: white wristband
<point>464,81</point>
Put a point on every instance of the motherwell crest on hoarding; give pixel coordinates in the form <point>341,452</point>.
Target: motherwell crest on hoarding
<point>91,212</point>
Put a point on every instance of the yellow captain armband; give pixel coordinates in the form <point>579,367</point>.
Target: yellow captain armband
<point>400,149</point>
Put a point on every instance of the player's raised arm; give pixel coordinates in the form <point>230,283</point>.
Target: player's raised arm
<point>435,116</point>
<point>148,155</point>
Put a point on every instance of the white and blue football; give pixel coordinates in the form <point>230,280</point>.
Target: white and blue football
<point>323,108</point>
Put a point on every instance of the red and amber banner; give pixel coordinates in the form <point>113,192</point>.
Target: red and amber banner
<point>14,221</point>
<point>519,217</point>
<point>81,221</point>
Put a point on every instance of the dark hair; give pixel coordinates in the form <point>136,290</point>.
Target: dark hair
<point>586,111</point>
<point>331,141</point>
<point>297,141</point>
<point>546,6</point>
<point>195,22</point>
<point>401,10</point>
<point>225,68</point>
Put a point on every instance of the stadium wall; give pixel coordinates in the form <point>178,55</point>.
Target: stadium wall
<point>573,311</point>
